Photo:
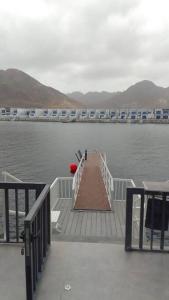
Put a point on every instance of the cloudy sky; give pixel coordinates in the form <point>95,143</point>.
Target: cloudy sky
<point>86,44</point>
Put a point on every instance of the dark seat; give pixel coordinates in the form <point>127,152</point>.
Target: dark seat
<point>154,220</point>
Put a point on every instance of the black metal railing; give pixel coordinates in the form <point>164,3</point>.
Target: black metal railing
<point>16,199</point>
<point>147,220</point>
<point>37,240</point>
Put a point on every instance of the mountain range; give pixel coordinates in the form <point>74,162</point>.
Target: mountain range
<point>18,89</point>
<point>143,94</point>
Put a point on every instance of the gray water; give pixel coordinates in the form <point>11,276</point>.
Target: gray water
<point>42,151</point>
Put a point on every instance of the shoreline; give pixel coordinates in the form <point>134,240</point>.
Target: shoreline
<point>104,121</point>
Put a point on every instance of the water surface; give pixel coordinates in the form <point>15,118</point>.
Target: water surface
<point>36,151</point>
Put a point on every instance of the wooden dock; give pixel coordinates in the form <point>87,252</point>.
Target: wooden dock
<point>91,225</point>
<point>92,194</point>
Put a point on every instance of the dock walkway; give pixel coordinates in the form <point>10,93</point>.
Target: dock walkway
<point>92,194</point>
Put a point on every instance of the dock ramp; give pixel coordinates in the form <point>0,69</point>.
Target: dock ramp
<point>91,193</point>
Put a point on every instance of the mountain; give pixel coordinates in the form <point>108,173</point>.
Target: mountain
<point>143,94</point>
<point>18,89</point>
<point>91,99</point>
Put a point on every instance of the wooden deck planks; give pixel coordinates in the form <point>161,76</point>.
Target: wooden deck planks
<point>89,225</point>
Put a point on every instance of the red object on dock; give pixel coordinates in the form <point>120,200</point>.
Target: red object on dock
<point>73,168</point>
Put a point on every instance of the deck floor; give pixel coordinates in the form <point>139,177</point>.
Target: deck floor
<point>92,193</point>
<point>103,271</point>
<point>94,226</point>
<point>122,276</point>
<point>12,273</point>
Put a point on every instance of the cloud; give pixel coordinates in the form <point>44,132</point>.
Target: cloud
<point>86,44</point>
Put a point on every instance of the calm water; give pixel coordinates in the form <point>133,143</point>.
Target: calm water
<point>42,151</point>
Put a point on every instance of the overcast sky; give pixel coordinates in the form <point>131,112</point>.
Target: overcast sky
<point>86,44</point>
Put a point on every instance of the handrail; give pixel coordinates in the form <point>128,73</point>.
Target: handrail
<point>37,205</point>
<point>54,190</point>
<point>77,177</point>
<point>107,178</point>
<point>37,239</point>
<point>125,179</point>
<point>133,183</point>
<point>103,160</point>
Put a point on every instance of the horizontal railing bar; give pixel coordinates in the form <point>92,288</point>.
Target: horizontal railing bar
<point>124,179</point>
<point>21,185</point>
<point>66,178</point>
<point>14,213</point>
<point>11,242</point>
<point>148,192</point>
<point>37,205</point>
<point>149,250</point>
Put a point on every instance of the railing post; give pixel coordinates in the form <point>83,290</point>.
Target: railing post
<point>163,221</point>
<point>85,154</point>
<point>2,201</point>
<point>128,229</point>
<point>141,220</point>
<point>28,261</point>
<point>7,215</point>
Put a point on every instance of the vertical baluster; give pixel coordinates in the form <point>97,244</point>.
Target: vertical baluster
<point>26,201</point>
<point>33,255</point>
<point>62,188</point>
<point>69,189</point>
<point>44,230</point>
<point>141,221</point>
<point>28,261</point>
<point>36,246</point>
<point>129,217</point>
<point>163,221</point>
<point>48,218</point>
<point>65,186</point>
<point>16,216</point>
<point>7,215</point>
<point>40,241</point>
<point>152,222</point>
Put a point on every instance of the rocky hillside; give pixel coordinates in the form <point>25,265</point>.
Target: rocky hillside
<point>144,94</point>
<point>18,89</point>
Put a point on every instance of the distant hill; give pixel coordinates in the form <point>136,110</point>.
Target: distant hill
<point>92,99</point>
<point>18,89</point>
<point>144,94</point>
